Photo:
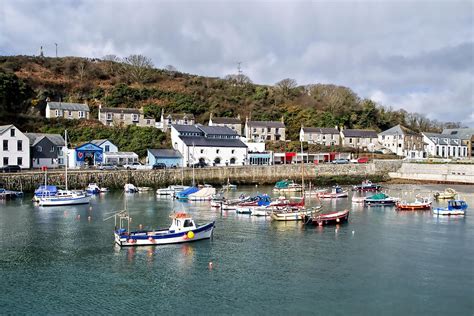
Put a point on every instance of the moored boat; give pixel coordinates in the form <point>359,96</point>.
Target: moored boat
<point>418,204</point>
<point>380,199</point>
<point>42,190</point>
<point>455,207</point>
<point>64,198</point>
<point>183,195</point>
<point>292,214</point>
<point>332,218</point>
<point>205,194</point>
<point>285,186</point>
<point>130,188</point>
<point>336,192</point>
<point>93,188</point>
<point>447,194</point>
<point>171,190</point>
<point>144,189</point>
<point>367,185</point>
<point>183,229</point>
<point>358,199</point>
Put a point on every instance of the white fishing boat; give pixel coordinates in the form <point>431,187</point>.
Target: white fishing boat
<point>289,214</point>
<point>130,188</point>
<point>336,192</point>
<point>93,188</point>
<point>287,186</point>
<point>64,197</point>
<point>205,194</point>
<point>171,190</point>
<point>182,229</point>
<point>358,199</point>
<point>455,207</point>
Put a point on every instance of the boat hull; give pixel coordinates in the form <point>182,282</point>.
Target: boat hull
<point>444,212</point>
<point>328,219</point>
<point>413,207</point>
<point>289,216</point>
<point>53,201</point>
<point>333,195</point>
<point>379,202</point>
<point>156,238</point>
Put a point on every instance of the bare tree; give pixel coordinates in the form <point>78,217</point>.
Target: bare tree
<point>238,80</point>
<point>82,69</point>
<point>138,67</point>
<point>286,86</point>
<point>113,63</point>
<point>171,68</point>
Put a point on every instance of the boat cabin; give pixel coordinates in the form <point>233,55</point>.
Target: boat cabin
<point>181,222</point>
<point>457,205</point>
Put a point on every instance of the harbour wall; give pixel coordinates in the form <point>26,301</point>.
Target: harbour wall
<point>322,174</point>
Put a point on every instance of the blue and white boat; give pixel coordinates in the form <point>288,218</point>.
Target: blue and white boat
<point>183,195</point>
<point>455,207</point>
<point>42,190</point>
<point>64,197</point>
<point>182,229</point>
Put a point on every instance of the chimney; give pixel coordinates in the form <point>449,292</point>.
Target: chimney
<point>282,119</point>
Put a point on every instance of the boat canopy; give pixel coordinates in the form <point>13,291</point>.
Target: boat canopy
<point>379,196</point>
<point>186,192</point>
<point>282,184</point>
<point>51,189</point>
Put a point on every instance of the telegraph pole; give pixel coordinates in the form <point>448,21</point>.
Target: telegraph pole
<point>56,49</point>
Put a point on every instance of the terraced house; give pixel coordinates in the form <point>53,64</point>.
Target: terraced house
<point>403,142</point>
<point>444,145</point>
<point>359,139</point>
<point>231,122</point>
<point>124,116</point>
<point>261,131</point>
<point>47,150</point>
<point>320,135</point>
<point>174,119</point>
<point>73,111</point>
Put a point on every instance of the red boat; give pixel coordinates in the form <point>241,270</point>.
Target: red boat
<point>418,205</point>
<point>327,219</point>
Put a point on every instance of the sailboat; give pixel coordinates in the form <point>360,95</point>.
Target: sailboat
<point>64,197</point>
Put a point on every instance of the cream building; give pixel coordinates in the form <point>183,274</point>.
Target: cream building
<point>73,111</point>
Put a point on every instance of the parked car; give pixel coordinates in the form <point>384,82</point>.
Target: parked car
<point>360,160</point>
<point>108,166</point>
<point>200,164</point>
<point>159,165</point>
<point>136,166</point>
<point>11,168</point>
<point>340,161</point>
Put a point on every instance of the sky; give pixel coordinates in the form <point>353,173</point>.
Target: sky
<point>415,55</point>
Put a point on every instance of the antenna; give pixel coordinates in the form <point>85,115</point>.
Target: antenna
<point>239,68</point>
<point>56,49</point>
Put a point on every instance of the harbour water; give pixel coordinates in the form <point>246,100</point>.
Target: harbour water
<point>62,260</point>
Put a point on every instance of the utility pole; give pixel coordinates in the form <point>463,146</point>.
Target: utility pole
<point>56,49</point>
<point>239,68</point>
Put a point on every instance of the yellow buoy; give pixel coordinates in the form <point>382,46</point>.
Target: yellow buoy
<point>190,235</point>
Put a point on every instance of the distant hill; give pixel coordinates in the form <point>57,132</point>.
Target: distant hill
<point>26,82</point>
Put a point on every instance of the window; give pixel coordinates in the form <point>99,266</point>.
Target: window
<point>19,145</point>
<point>202,151</point>
<point>185,121</point>
<point>39,149</point>
<point>81,114</point>
<point>5,145</point>
<point>350,140</point>
<point>217,151</point>
<point>135,117</point>
<point>383,137</point>
<point>5,161</point>
<point>254,130</point>
<point>52,149</point>
<point>19,161</point>
<point>57,113</point>
<point>148,122</point>
<point>169,121</point>
<point>232,161</point>
<point>276,130</point>
<point>109,116</point>
<point>324,137</point>
<point>121,116</point>
<point>263,129</point>
<point>12,132</point>
<point>269,129</point>
<point>69,113</point>
<point>107,148</point>
<point>233,151</point>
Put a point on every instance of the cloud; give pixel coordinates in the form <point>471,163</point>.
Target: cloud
<point>413,54</point>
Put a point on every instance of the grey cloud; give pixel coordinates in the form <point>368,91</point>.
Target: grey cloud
<point>415,54</point>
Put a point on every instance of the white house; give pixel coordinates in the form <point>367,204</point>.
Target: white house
<point>444,145</point>
<point>402,141</point>
<point>106,145</point>
<point>174,119</point>
<point>15,148</point>
<point>213,145</point>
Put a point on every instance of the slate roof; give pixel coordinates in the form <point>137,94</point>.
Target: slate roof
<point>275,124</point>
<point>320,130</point>
<point>120,154</point>
<point>120,110</point>
<point>399,130</point>
<point>68,106</point>
<point>463,133</point>
<point>226,120</point>
<point>186,128</point>
<point>201,141</point>
<point>56,139</point>
<point>445,139</point>
<point>360,133</point>
<point>4,128</point>
<point>179,116</point>
<point>98,142</point>
<point>165,153</point>
<point>217,130</point>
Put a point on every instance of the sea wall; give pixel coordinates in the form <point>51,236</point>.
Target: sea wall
<point>439,173</point>
<point>317,174</point>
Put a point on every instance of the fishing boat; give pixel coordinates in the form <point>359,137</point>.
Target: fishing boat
<point>285,186</point>
<point>446,195</point>
<point>232,204</point>
<point>9,194</point>
<point>327,219</point>
<point>182,229</point>
<point>292,214</point>
<point>367,185</point>
<point>380,199</point>
<point>248,206</point>
<point>455,207</point>
<point>93,188</point>
<point>291,202</point>
<point>183,195</point>
<point>130,188</point>
<point>417,205</point>
<point>204,194</point>
<point>171,190</point>
<point>336,192</point>
<point>63,197</point>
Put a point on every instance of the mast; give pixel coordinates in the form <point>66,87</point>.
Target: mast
<point>194,160</point>
<point>302,167</point>
<point>66,162</point>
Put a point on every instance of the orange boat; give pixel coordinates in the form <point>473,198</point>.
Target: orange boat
<point>418,205</point>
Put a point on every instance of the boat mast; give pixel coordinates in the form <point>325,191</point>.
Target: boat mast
<point>66,162</point>
<point>302,167</point>
<point>194,161</point>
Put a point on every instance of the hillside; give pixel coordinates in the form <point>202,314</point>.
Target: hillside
<point>26,82</point>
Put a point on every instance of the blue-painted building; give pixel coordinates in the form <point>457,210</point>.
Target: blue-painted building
<point>170,157</point>
<point>86,154</point>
